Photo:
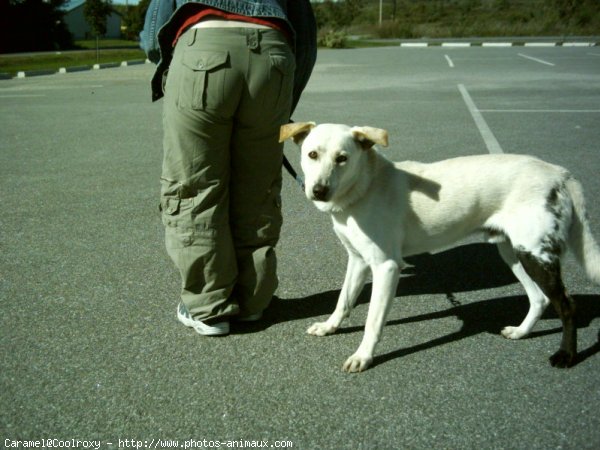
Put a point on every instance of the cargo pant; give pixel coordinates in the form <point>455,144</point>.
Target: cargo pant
<point>227,93</point>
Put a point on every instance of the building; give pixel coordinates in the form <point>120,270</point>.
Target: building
<point>79,28</point>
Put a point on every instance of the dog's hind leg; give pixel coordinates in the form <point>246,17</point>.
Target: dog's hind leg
<point>356,275</point>
<point>548,277</point>
<point>537,300</point>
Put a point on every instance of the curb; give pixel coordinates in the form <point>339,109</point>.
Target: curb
<point>135,62</point>
<point>73,69</point>
<point>540,44</point>
<point>34,73</point>
<point>579,44</point>
<point>496,44</point>
<point>105,65</point>
<point>63,70</point>
<point>456,44</point>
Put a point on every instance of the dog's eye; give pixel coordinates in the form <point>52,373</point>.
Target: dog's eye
<point>341,159</point>
<point>313,155</point>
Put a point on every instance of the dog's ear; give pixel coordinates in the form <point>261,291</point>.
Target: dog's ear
<point>297,131</point>
<point>367,137</point>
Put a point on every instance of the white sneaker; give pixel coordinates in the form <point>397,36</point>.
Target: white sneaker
<point>215,329</point>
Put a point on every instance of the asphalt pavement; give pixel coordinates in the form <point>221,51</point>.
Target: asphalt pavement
<point>91,349</point>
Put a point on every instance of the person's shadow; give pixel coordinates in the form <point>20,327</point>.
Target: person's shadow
<point>467,268</point>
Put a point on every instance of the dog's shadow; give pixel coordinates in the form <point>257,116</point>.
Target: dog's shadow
<point>490,316</point>
<point>467,268</point>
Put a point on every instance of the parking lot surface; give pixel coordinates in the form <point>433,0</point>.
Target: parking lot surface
<point>90,345</point>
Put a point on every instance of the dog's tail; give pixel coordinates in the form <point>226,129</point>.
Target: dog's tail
<point>581,240</point>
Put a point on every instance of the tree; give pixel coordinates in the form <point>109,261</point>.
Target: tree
<point>33,25</point>
<point>337,14</point>
<point>96,12</point>
<point>133,19</point>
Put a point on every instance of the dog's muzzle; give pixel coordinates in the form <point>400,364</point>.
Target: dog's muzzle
<point>320,192</point>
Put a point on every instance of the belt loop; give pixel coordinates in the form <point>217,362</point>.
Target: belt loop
<point>192,37</point>
<point>253,39</point>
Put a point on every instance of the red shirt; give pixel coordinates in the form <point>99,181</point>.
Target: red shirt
<point>204,11</point>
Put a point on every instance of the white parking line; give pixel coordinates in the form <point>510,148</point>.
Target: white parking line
<point>541,61</point>
<point>565,111</point>
<point>450,63</point>
<point>486,133</point>
<point>22,95</point>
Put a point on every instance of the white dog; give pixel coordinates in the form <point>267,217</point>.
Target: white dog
<point>383,211</point>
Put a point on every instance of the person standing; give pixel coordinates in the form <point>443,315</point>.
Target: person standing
<point>231,73</point>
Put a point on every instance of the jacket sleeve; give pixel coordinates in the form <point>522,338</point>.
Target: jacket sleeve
<point>302,18</point>
<point>158,13</point>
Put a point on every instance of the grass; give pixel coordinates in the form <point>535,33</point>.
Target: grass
<point>366,43</point>
<point>55,60</point>
<point>90,44</point>
<point>110,51</point>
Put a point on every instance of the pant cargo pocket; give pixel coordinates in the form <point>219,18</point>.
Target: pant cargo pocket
<point>202,82</point>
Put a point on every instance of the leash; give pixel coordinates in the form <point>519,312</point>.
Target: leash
<point>291,170</point>
<point>293,173</point>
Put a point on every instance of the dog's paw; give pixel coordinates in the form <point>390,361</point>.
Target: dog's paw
<point>357,363</point>
<point>321,329</point>
<point>512,333</point>
<point>563,359</point>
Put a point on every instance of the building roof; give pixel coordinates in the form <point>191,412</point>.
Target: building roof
<point>71,5</point>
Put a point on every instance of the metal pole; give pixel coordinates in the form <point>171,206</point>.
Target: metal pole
<point>380,12</point>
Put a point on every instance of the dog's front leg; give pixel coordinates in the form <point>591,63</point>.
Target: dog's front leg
<point>354,281</point>
<point>385,282</point>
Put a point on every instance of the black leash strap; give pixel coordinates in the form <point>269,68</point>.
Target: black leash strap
<point>293,173</point>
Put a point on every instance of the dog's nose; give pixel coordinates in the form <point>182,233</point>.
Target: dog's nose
<point>320,192</point>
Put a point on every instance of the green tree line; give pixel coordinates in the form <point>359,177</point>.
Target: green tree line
<point>27,25</point>
<point>37,25</point>
<point>460,18</point>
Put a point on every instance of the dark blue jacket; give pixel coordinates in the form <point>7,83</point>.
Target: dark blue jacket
<point>164,18</point>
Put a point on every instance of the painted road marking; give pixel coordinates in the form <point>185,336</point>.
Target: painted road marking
<point>450,63</point>
<point>565,111</point>
<point>541,61</point>
<point>486,133</point>
<point>22,95</point>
